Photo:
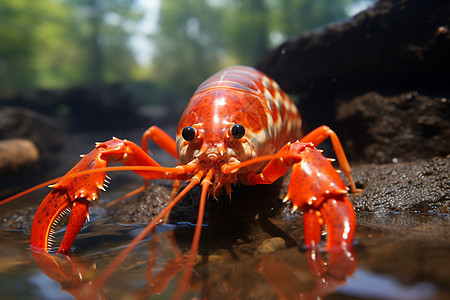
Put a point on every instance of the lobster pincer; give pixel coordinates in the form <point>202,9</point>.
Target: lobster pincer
<point>75,192</point>
<point>316,188</point>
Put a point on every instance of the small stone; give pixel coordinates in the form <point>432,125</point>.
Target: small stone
<point>271,245</point>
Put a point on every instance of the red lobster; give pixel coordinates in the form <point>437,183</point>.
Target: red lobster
<point>238,127</point>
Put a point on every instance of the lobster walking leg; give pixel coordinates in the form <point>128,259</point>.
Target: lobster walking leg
<point>161,138</point>
<point>319,135</point>
<point>168,144</point>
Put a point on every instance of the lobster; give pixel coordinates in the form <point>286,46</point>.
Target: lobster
<point>239,127</point>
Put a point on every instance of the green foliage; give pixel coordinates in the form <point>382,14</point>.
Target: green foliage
<point>56,43</point>
<point>25,26</point>
<point>188,45</point>
<point>60,43</point>
<point>292,17</point>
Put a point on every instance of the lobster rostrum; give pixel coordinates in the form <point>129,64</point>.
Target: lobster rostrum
<point>238,127</point>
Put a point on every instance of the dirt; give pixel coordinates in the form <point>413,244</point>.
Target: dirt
<point>405,127</point>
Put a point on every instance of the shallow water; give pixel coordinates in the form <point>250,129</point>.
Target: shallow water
<point>400,256</point>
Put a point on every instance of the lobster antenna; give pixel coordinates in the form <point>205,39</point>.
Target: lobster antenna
<point>32,189</point>
<point>184,281</point>
<point>76,174</point>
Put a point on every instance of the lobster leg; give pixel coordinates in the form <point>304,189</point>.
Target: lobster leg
<point>75,192</point>
<point>168,144</point>
<point>162,139</point>
<point>165,142</point>
<point>319,135</point>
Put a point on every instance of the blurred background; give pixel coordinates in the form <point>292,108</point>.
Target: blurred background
<point>73,72</point>
<point>159,50</point>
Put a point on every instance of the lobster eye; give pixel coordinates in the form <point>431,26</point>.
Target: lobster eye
<point>237,131</point>
<point>188,133</point>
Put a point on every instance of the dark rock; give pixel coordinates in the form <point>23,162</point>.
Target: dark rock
<point>105,107</point>
<point>20,219</point>
<point>84,108</point>
<point>419,186</point>
<point>404,127</point>
<point>44,132</point>
<point>400,44</point>
<point>394,59</point>
<point>150,203</point>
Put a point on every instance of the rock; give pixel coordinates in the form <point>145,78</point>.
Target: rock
<point>400,44</point>
<point>419,186</point>
<point>402,127</point>
<point>380,80</point>
<point>17,155</point>
<point>271,245</point>
<point>143,210</point>
<point>44,132</point>
<point>81,108</point>
<point>20,219</point>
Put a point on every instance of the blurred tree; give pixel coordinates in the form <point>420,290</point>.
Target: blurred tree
<point>57,43</point>
<point>26,30</point>
<point>247,30</point>
<point>293,17</point>
<point>108,26</point>
<point>189,45</point>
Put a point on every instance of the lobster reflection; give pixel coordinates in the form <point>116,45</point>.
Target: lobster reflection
<point>224,268</point>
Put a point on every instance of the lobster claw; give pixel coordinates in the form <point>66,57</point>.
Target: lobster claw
<point>52,209</point>
<point>71,194</point>
<point>316,188</point>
